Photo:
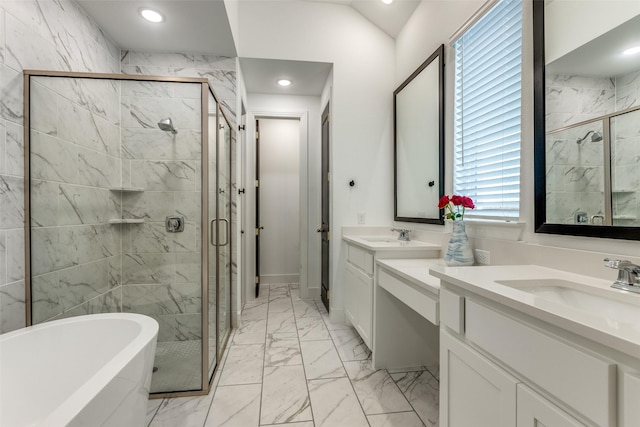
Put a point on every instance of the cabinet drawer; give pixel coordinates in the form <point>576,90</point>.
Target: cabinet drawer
<point>424,305</point>
<point>582,381</point>
<point>360,258</point>
<point>452,311</point>
<point>631,398</point>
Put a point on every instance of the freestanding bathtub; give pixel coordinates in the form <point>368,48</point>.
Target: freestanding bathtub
<point>84,371</point>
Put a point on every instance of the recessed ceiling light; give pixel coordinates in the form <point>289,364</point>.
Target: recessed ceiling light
<point>387,1</point>
<point>632,50</point>
<point>151,15</point>
<point>284,82</point>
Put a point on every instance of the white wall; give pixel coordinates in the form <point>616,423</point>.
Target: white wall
<point>279,200</point>
<point>361,119</point>
<point>431,25</point>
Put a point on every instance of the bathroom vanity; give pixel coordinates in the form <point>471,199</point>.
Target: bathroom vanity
<point>527,346</point>
<point>362,252</point>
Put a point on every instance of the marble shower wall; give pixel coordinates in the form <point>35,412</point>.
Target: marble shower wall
<point>160,269</point>
<point>75,160</point>
<point>222,76</point>
<point>575,172</point>
<point>46,35</point>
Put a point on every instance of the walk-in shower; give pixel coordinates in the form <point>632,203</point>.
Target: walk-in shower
<point>103,175</point>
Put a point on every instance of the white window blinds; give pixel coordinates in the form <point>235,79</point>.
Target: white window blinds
<point>488,69</point>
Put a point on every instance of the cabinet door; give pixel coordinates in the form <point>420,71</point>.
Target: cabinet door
<point>535,411</point>
<point>473,391</point>
<point>365,308</point>
<point>350,297</point>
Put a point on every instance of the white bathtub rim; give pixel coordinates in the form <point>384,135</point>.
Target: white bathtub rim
<point>71,407</point>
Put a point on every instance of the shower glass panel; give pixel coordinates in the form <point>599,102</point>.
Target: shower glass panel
<point>224,224</point>
<point>115,208</point>
<point>575,175</point>
<point>625,174</point>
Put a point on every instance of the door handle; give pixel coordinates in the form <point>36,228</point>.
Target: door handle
<point>226,234</point>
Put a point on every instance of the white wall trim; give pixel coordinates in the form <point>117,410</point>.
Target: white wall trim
<point>303,117</point>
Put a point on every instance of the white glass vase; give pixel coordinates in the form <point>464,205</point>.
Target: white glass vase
<point>459,250</point>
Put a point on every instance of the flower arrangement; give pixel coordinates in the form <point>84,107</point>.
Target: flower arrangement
<point>455,206</point>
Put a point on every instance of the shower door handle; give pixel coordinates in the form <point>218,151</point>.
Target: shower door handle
<point>226,240</point>
<point>226,234</point>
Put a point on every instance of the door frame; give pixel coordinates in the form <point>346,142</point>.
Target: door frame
<point>305,200</point>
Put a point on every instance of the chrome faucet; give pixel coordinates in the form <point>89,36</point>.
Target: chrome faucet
<point>628,274</point>
<point>404,234</point>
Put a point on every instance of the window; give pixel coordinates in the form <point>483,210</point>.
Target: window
<point>488,65</point>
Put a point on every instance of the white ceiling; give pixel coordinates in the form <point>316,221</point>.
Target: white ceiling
<point>191,26</point>
<point>261,76</point>
<point>602,57</point>
<point>202,26</point>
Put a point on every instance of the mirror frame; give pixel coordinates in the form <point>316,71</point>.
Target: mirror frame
<point>540,188</point>
<point>439,53</point>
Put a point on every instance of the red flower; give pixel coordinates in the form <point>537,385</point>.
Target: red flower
<point>456,200</point>
<point>444,201</point>
<point>467,202</point>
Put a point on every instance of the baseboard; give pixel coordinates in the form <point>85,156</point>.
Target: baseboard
<point>279,278</point>
<point>337,315</point>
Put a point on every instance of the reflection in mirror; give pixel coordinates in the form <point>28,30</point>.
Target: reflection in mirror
<point>419,143</point>
<point>587,110</point>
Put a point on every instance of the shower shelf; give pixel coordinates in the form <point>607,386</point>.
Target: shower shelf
<point>127,189</point>
<point>126,221</point>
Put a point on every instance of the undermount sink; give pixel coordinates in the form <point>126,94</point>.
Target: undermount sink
<point>381,239</point>
<point>391,241</point>
<point>607,303</point>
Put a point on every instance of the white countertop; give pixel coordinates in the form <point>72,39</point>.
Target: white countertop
<point>416,271</point>
<point>595,324</point>
<point>390,243</point>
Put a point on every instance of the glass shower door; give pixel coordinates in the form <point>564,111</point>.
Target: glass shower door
<point>224,224</point>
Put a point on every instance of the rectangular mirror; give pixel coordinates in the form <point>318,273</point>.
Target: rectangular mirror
<point>418,106</point>
<point>587,118</point>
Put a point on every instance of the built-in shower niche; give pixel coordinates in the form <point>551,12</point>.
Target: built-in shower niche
<point>110,159</point>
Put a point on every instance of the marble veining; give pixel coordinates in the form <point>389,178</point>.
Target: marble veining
<point>421,390</point>
<point>321,360</point>
<point>282,349</point>
<point>235,406</point>
<point>284,395</point>
<point>244,364</point>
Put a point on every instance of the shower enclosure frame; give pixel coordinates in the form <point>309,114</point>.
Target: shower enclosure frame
<point>206,380</point>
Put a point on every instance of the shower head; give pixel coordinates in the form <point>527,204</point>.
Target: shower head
<point>167,125</point>
<point>596,137</point>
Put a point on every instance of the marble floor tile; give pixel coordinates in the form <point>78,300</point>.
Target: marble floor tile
<point>321,360</point>
<point>152,408</point>
<point>421,390</point>
<point>335,404</point>
<point>243,365</point>
<point>403,370</point>
<point>182,411</point>
<point>282,350</point>
<point>349,344</point>
<point>399,419</point>
<point>376,390</point>
<point>281,322</point>
<point>280,304</point>
<point>251,332</point>
<point>306,308</point>
<point>311,329</point>
<point>284,395</point>
<point>434,370</point>
<point>235,406</point>
<point>256,311</point>
<point>303,424</point>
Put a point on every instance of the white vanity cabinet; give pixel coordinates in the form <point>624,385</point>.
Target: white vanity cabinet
<point>501,367</point>
<point>360,273</point>
<point>358,305</point>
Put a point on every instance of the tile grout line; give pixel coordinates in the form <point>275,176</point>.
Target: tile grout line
<point>345,369</point>
<point>405,396</point>
<point>264,357</point>
<point>155,412</point>
<point>306,380</point>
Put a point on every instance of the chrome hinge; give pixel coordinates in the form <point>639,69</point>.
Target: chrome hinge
<point>257,280</point>
<point>257,135</point>
<point>257,183</point>
<point>328,176</point>
<point>257,232</point>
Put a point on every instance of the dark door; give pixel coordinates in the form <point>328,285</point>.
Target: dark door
<point>258,226</point>
<point>324,229</point>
